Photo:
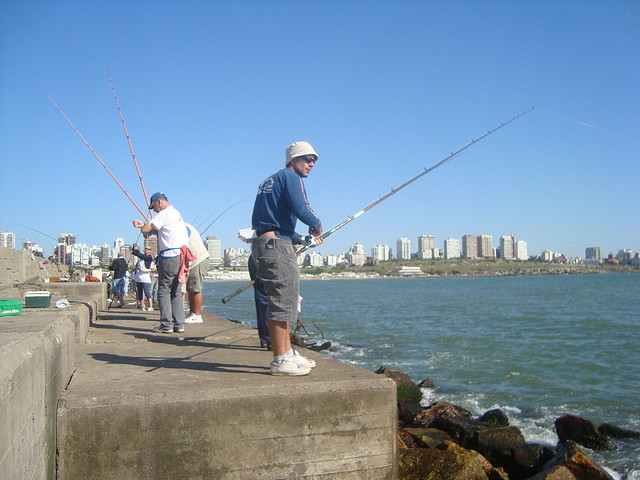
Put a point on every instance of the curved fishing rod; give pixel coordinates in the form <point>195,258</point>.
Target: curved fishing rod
<point>99,159</point>
<point>225,211</point>
<point>381,199</point>
<point>126,133</point>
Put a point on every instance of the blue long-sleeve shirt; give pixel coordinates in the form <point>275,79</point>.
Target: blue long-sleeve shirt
<point>280,202</point>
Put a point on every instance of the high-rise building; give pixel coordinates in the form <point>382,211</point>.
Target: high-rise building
<point>67,238</point>
<point>117,244</point>
<point>313,259</point>
<point>105,255</point>
<point>381,253</point>
<point>470,246</point>
<point>403,249</point>
<point>214,246</point>
<point>452,248</point>
<point>426,247</point>
<point>485,246</point>
<point>507,247</point>
<point>521,251</point>
<point>8,240</point>
<point>236,257</point>
<point>356,255</point>
<point>593,253</point>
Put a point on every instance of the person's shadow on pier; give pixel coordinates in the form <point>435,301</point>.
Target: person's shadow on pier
<point>181,363</point>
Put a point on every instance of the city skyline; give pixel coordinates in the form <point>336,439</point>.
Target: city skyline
<point>414,253</point>
<point>381,92</point>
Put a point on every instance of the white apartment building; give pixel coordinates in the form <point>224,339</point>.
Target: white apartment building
<point>214,247</point>
<point>452,248</point>
<point>117,245</point>
<point>356,255</point>
<point>313,259</point>
<point>521,251</point>
<point>381,253</point>
<point>426,247</point>
<point>403,249</point>
<point>593,253</point>
<point>236,257</point>
<point>508,247</point>
<point>470,246</point>
<point>8,240</point>
<point>485,246</point>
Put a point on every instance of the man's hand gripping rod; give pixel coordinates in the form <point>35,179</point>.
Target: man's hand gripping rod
<point>304,248</point>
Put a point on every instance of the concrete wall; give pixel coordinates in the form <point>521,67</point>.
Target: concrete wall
<point>36,364</point>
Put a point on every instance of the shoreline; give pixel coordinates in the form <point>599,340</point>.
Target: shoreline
<point>244,276</point>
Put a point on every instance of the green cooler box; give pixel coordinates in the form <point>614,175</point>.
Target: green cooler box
<point>10,307</point>
<point>37,299</point>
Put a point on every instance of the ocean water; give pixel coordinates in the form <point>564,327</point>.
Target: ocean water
<point>537,347</point>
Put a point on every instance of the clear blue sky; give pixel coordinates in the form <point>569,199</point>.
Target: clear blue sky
<point>213,91</point>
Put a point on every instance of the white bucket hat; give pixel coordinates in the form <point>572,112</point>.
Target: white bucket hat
<point>298,149</point>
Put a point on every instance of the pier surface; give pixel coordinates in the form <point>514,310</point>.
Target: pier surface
<point>202,405</point>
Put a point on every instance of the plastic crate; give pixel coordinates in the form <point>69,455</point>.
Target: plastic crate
<point>10,307</point>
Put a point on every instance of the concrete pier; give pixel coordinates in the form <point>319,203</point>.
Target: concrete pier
<point>133,404</point>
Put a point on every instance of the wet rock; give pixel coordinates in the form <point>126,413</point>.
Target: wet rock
<point>426,383</point>
<point>446,463</point>
<point>428,437</point>
<point>433,413</point>
<point>407,440</point>
<point>617,432</point>
<point>571,463</point>
<point>407,411</point>
<point>582,431</point>
<point>495,416</point>
<point>407,389</point>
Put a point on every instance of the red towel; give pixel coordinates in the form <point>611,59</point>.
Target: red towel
<point>186,257</point>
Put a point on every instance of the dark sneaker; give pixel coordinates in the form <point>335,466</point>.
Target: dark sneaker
<point>178,329</point>
<point>161,329</point>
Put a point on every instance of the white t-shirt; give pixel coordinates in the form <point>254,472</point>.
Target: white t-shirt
<point>196,245</point>
<point>172,232</point>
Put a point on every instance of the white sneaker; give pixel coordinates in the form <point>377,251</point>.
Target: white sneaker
<point>150,309</point>
<point>193,318</point>
<point>290,367</point>
<point>303,361</point>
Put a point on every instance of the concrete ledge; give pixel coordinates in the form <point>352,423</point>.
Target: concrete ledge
<point>36,363</point>
<point>73,291</point>
<point>202,405</point>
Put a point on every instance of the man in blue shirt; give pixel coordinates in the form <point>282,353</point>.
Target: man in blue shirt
<point>280,202</point>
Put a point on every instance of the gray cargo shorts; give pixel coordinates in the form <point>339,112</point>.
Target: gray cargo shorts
<point>277,267</point>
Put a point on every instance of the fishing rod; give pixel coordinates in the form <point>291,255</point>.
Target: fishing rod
<point>393,191</point>
<point>126,133</point>
<point>99,159</point>
<point>225,211</point>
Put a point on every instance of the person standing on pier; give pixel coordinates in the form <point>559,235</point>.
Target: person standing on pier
<point>168,224</point>
<point>280,202</point>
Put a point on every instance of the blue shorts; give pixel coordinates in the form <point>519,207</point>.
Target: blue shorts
<point>118,286</point>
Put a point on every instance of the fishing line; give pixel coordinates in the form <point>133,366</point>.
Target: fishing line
<point>384,197</point>
<point>38,231</point>
<point>214,220</point>
<point>99,159</point>
<point>585,124</point>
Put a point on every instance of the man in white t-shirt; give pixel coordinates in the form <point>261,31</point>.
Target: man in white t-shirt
<point>167,223</point>
<point>197,270</point>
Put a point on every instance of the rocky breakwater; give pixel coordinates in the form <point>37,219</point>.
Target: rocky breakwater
<point>445,442</point>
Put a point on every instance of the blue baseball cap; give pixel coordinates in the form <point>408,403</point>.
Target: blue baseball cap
<point>156,196</point>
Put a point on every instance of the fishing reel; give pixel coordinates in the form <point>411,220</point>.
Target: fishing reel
<point>309,241</point>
